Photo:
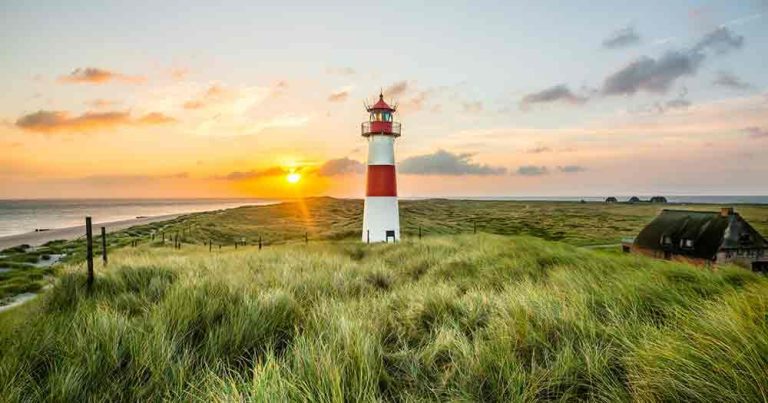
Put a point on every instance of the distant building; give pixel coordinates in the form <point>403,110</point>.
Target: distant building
<point>634,199</point>
<point>611,200</point>
<point>702,237</point>
<point>658,199</point>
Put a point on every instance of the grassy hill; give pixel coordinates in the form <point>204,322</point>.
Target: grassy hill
<point>326,218</point>
<point>453,317</point>
<point>333,219</point>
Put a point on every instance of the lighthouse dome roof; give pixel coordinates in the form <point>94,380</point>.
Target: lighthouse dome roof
<point>381,105</point>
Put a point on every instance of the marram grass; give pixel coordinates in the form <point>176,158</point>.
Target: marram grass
<point>461,318</point>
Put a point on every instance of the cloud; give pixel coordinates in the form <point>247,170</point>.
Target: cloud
<point>532,170</point>
<point>678,103</point>
<point>106,180</point>
<point>445,163</point>
<point>195,104</point>
<point>102,103</point>
<point>652,75</point>
<point>726,79</point>
<point>662,107</point>
<point>396,89</point>
<point>340,95</point>
<point>622,38</point>
<point>341,71</point>
<point>254,174</point>
<point>472,107</point>
<point>756,132</point>
<point>557,93</point>
<point>214,94</point>
<point>571,168</point>
<point>93,75</point>
<point>722,40</point>
<point>656,75</point>
<point>221,101</point>
<point>59,121</point>
<point>155,118</point>
<point>539,150</point>
<point>340,166</point>
<point>179,73</point>
<point>332,167</point>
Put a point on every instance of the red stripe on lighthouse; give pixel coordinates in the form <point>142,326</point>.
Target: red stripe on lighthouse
<point>381,181</point>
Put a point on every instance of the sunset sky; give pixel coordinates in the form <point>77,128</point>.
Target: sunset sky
<point>509,98</point>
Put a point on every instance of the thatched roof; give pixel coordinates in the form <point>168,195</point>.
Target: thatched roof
<point>708,231</point>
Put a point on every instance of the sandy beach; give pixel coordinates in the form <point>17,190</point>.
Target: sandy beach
<point>39,238</point>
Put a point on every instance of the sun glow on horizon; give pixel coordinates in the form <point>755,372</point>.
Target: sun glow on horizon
<point>293,177</point>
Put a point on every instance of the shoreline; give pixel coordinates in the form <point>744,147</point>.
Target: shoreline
<point>68,233</point>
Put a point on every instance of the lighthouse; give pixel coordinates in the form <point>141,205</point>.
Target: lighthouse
<point>381,220</point>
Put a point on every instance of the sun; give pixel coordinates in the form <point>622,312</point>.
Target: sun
<point>293,177</point>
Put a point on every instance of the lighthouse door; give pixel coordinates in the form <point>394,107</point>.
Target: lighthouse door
<point>390,233</point>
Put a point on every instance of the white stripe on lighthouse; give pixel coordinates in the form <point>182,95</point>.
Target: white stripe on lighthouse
<point>379,216</point>
<point>381,213</point>
<point>381,150</point>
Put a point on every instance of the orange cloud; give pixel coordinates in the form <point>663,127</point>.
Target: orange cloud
<point>155,118</point>
<point>102,103</point>
<point>397,89</point>
<point>59,121</point>
<point>212,95</point>
<point>93,75</point>
<point>179,73</point>
<point>254,174</point>
<point>338,96</point>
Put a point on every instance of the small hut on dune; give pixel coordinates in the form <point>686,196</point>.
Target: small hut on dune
<point>703,237</point>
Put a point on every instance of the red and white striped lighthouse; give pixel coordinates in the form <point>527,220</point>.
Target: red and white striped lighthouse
<point>381,219</point>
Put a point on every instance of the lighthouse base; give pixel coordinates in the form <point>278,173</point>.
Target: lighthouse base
<point>381,220</point>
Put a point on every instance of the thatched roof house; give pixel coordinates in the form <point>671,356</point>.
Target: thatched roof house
<point>611,200</point>
<point>634,199</point>
<point>703,237</point>
<point>658,199</point>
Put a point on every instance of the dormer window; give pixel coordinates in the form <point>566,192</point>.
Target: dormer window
<point>686,243</point>
<point>745,238</point>
<point>666,240</point>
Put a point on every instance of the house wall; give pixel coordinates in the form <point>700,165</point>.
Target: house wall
<point>673,257</point>
<point>742,257</point>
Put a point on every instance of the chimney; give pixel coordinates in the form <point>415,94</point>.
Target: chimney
<point>726,211</point>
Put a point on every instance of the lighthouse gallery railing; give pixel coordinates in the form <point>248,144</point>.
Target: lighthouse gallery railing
<point>391,128</point>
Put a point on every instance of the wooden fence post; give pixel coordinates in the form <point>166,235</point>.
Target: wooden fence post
<point>89,250</point>
<point>419,231</point>
<point>210,245</point>
<point>104,245</point>
<point>259,242</point>
<point>306,238</point>
<point>368,236</point>
<point>474,227</point>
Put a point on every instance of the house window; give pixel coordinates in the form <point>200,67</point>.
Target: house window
<point>686,243</point>
<point>666,240</point>
<point>745,238</point>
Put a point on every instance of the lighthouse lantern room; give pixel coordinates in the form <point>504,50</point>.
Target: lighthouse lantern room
<point>381,219</point>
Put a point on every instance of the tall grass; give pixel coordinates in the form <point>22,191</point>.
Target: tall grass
<point>464,318</point>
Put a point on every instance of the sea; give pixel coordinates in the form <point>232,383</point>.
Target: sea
<point>22,216</point>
